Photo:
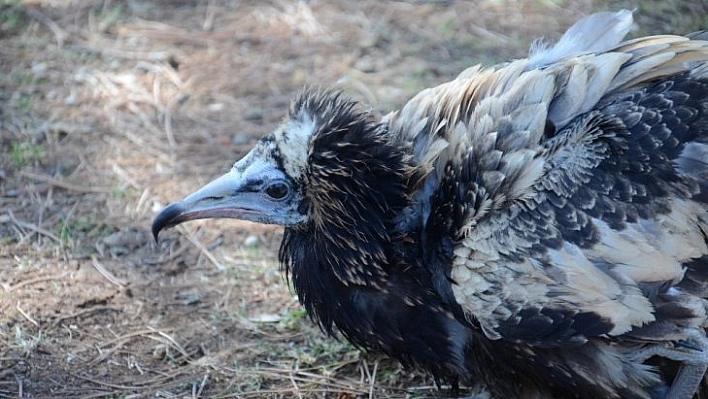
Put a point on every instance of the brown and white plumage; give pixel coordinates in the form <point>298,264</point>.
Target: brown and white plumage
<point>538,227</point>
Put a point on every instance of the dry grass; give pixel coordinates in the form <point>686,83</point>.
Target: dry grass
<point>110,109</point>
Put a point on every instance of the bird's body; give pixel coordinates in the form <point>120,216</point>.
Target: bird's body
<point>539,227</point>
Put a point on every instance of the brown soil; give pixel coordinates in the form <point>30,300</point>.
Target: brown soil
<point>111,109</point>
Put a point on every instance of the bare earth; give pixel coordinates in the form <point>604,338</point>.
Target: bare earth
<point>111,109</point>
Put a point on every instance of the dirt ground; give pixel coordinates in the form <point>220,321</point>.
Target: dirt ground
<point>111,109</point>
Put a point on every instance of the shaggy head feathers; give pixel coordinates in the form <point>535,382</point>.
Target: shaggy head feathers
<point>346,160</point>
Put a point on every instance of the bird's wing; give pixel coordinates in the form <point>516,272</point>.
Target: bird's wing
<point>593,236</point>
<point>580,227</point>
<point>561,175</point>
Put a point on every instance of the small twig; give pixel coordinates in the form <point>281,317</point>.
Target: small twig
<point>307,377</point>
<point>104,383</point>
<point>84,311</point>
<point>124,175</point>
<point>297,388</point>
<point>201,248</point>
<point>108,275</point>
<point>67,218</point>
<point>172,256</point>
<point>201,387</point>
<point>59,33</point>
<point>209,16</point>
<point>174,343</point>
<point>22,312</point>
<point>141,201</point>
<point>168,127</point>
<point>64,185</point>
<point>40,214</point>
<point>154,56</point>
<point>125,337</point>
<point>119,342</point>
<point>32,281</point>
<point>34,228</point>
<point>372,380</point>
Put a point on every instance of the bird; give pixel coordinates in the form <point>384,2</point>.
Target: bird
<point>538,227</point>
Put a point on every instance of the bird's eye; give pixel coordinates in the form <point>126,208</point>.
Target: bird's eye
<point>277,190</point>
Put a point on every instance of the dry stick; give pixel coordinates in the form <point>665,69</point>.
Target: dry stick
<point>40,215</point>
<point>161,378</point>
<point>108,275</point>
<point>363,371</point>
<point>103,355</point>
<point>141,201</point>
<point>172,256</point>
<point>372,380</point>
<point>84,311</point>
<point>340,364</point>
<point>103,392</point>
<point>99,394</point>
<point>308,378</point>
<point>104,383</point>
<point>137,140</point>
<point>174,343</point>
<point>64,185</point>
<point>123,174</point>
<point>129,335</point>
<point>260,393</point>
<point>59,33</point>
<point>32,281</point>
<point>33,227</point>
<point>67,218</point>
<point>201,386</point>
<point>22,312</point>
<point>209,16</point>
<point>118,53</point>
<point>297,389</point>
<point>201,248</point>
<point>119,342</point>
<point>168,127</point>
<point>165,109</point>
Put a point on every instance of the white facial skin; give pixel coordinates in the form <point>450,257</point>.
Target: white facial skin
<point>264,186</point>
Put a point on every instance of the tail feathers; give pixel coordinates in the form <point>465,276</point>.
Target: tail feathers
<point>658,57</point>
<point>596,33</point>
<point>700,35</point>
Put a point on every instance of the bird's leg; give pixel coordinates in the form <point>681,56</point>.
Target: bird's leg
<point>692,353</point>
<point>687,381</point>
<point>693,370</point>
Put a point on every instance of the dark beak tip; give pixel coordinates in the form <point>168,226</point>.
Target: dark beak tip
<point>168,217</point>
<point>155,233</point>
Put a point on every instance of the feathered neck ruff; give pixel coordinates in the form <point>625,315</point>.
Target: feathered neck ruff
<point>355,181</point>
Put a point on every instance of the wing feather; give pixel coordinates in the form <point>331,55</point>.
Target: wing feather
<point>574,180</point>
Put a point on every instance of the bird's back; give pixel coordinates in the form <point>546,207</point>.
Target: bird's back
<point>574,185</point>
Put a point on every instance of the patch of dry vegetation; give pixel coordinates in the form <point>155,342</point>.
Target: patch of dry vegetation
<point>110,109</point>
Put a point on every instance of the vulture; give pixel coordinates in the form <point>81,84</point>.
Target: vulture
<point>539,227</point>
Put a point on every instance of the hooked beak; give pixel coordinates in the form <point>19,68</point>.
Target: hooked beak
<point>210,201</point>
<point>246,193</point>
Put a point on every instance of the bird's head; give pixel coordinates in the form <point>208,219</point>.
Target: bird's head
<point>324,158</point>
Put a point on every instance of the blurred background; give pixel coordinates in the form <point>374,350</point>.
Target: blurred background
<point>111,109</point>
